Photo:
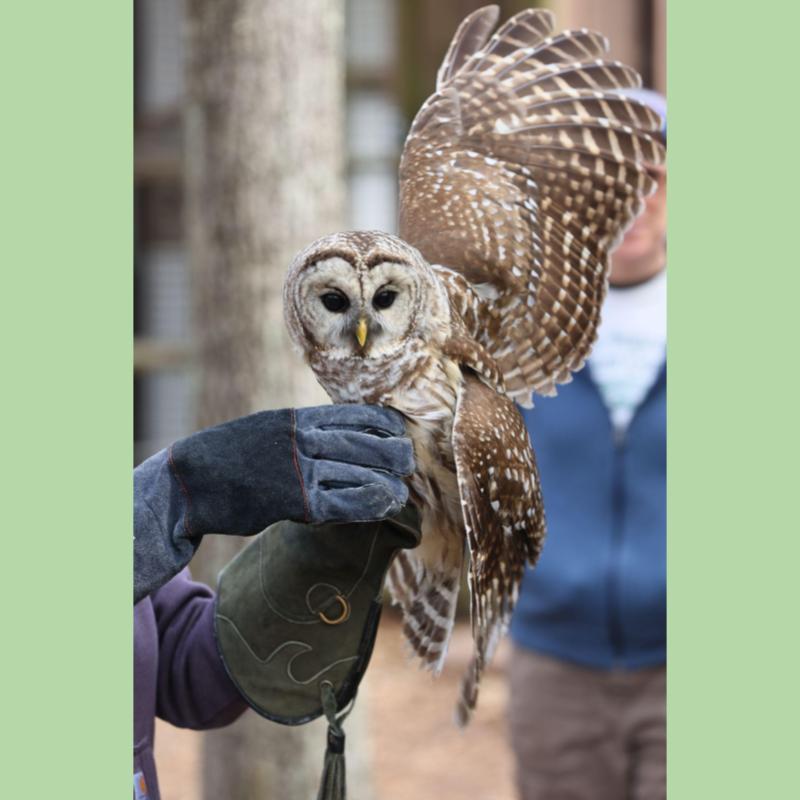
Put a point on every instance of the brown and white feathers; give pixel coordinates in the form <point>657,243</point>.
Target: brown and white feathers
<point>518,177</point>
<point>521,173</point>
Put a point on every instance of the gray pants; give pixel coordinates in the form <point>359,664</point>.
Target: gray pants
<point>586,734</point>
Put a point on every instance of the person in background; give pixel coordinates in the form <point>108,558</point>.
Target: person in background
<point>587,674</point>
<point>312,465</point>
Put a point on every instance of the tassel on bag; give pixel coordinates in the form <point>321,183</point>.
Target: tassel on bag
<point>333,785</point>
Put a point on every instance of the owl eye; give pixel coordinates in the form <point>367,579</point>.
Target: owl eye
<point>384,298</point>
<point>335,301</point>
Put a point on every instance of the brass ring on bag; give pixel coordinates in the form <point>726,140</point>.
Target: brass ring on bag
<point>343,617</point>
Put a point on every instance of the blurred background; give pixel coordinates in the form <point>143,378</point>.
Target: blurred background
<point>260,126</point>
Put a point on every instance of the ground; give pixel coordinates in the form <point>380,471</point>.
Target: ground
<point>417,748</point>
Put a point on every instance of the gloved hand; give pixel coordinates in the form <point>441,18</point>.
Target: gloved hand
<point>325,464</point>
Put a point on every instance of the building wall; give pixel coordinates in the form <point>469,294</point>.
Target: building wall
<point>393,49</point>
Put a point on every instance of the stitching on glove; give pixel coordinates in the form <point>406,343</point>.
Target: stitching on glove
<point>297,466</point>
<point>367,563</point>
<point>186,526</point>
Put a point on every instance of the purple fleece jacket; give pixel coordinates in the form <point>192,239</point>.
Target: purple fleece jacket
<point>178,674</point>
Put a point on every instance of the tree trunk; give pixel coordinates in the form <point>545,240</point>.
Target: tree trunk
<point>264,171</point>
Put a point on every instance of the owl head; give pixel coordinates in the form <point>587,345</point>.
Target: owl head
<point>362,294</point>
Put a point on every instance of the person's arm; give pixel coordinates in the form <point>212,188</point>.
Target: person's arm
<point>159,551</point>
<point>193,688</point>
<point>326,464</point>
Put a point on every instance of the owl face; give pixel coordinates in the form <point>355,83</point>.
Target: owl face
<point>362,294</point>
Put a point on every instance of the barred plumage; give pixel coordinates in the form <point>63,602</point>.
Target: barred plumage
<point>517,178</point>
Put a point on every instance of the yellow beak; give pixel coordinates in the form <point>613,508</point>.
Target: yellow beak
<point>361,332</point>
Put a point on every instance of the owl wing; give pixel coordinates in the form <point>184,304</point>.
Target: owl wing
<point>521,173</point>
<point>503,513</point>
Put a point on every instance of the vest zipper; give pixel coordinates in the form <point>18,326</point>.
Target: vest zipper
<point>618,508</point>
<point>618,501</point>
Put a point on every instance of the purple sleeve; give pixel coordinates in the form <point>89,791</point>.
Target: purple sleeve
<point>194,691</point>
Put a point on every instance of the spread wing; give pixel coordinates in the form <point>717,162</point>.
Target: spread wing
<point>521,173</point>
<point>503,514</point>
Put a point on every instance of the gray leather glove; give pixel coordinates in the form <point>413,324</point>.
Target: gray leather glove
<point>339,463</point>
<point>352,460</point>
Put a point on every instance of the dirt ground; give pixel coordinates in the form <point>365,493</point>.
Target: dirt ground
<point>419,753</point>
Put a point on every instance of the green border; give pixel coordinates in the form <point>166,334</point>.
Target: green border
<point>65,334</point>
<point>66,322</point>
<point>733,532</point>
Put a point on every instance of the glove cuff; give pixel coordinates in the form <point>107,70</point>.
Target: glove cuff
<point>239,477</point>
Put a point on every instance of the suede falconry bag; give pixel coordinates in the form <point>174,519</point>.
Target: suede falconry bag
<point>296,616</point>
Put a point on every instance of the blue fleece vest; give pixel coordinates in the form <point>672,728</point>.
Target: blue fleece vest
<point>598,595</point>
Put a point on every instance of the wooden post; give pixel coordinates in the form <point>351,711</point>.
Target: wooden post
<point>264,177</point>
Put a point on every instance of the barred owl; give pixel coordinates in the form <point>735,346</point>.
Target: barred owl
<point>517,178</point>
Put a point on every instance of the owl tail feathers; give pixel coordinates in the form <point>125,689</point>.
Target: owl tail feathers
<point>468,695</point>
<point>427,598</point>
<point>471,681</point>
<point>489,626</point>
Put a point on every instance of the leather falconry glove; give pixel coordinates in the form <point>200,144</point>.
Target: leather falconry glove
<point>337,463</point>
<point>296,616</point>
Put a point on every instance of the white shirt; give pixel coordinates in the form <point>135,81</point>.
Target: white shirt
<point>631,346</point>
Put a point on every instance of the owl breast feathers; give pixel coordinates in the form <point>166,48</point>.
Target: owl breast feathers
<point>518,176</point>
